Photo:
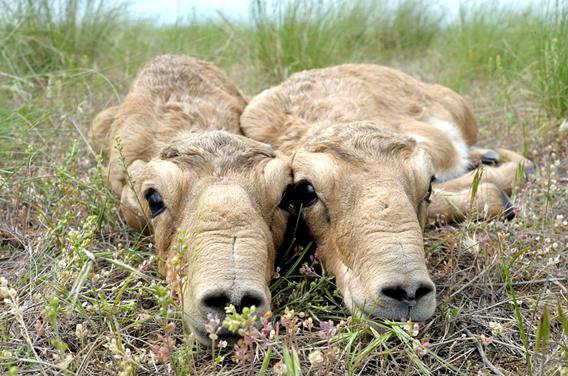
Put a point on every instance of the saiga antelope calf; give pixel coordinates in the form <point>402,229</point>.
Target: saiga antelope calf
<point>209,195</point>
<point>374,154</point>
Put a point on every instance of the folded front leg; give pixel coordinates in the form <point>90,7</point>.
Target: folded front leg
<point>449,204</point>
<point>501,168</point>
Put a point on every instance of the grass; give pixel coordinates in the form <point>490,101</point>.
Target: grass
<point>302,34</point>
<point>43,36</point>
<point>81,293</point>
<point>553,54</point>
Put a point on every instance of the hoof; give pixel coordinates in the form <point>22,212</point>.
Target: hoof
<point>473,164</point>
<point>529,170</point>
<point>490,158</point>
<point>508,209</point>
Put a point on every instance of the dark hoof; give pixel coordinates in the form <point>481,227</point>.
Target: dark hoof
<point>490,158</point>
<point>473,164</point>
<point>509,210</point>
<point>529,171</point>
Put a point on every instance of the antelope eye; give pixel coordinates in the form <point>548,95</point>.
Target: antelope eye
<point>306,193</point>
<point>155,201</point>
<point>299,195</point>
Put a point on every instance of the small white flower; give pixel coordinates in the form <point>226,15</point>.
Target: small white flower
<point>419,348</point>
<point>7,292</point>
<point>564,125</point>
<point>316,358</point>
<point>553,261</point>
<point>470,244</point>
<point>412,329</point>
<point>280,369</point>
<point>81,332</point>
<point>496,328</point>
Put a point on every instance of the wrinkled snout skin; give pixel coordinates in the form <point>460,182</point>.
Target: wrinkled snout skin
<point>375,248</point>
<point>367,225</point>
<point>229,256</point>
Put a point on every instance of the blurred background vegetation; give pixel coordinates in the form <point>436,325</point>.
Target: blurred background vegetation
<point>485,42</point>
<point>64,47</point>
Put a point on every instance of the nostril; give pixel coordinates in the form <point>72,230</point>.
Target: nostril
<point>249,300</point>
<point>423,291</point>
<point>216,301</point>
<point>409,296</point>
<point>396,292</point>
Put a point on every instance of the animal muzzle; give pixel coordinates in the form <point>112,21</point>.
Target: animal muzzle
<point>215,300</point>
<point>234,273</point>
<point>241,281</point>
<point>230,257</point>
<point>401,300</point>
<point>393,283</point>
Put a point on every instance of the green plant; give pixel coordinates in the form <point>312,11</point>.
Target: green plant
<point>44,36</point>
<point>551,68</point>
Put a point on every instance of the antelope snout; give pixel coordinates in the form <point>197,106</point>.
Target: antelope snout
<point>214,301</point>
<point>211,303</point>
<point>404,299</point>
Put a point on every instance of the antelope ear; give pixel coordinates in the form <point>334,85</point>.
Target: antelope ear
<point>100,132</point>
<point>131,203</point>
<point>423,215</point>
<point>277,173</point>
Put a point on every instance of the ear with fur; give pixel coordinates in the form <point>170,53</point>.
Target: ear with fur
<point>423,215</point>
<point>131,203</point>
<point>277,173</point>
<point>101,129</point>
<point>422,162</point>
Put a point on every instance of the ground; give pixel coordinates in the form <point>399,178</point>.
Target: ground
<point>80,292</point>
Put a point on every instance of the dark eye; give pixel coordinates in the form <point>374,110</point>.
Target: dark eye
<point>306,193</point>
<point>299,195</point>
<point>429,193</point>
<point>155,201</point>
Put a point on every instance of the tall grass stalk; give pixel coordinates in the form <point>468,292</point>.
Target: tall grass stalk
<point>42,36</point>
<point>552,66</point>
<point>301,34</point>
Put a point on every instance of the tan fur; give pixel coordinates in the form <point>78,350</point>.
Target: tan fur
<point>172,96</point>
<point>369,139</point>
<point>179,135</point>
<point>349,93</point>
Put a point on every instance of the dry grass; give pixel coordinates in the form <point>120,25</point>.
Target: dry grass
<point>81,294</point>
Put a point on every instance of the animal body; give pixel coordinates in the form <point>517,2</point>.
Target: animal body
<point>375,153</point>
<point>180,167</point>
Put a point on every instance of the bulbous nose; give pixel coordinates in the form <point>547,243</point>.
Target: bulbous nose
<point>216,301</point>
<point>407,300</point>
<point>407,295</point>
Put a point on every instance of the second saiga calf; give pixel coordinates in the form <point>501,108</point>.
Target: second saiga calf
<point>374,154</point>
<point>210,196</point>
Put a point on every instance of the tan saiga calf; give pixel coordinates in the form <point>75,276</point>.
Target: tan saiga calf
<point>210,197</point>
<point>366,143</point>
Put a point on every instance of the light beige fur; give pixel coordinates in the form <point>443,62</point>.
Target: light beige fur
<point>179,136</point>
<point>370,139</point>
